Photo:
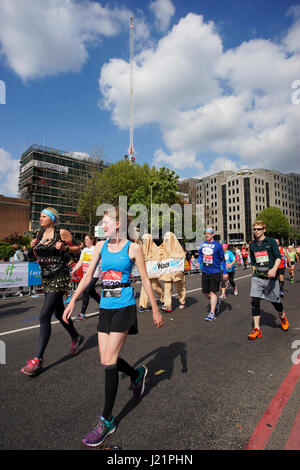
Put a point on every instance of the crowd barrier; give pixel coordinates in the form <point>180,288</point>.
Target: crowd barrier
<point>19,274</point>
<point>27,274</point>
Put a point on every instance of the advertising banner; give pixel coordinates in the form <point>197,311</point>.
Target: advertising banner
<point>34,274</point>
<point>166,266</point>
<point>19,275</point>
<point>13,274</point>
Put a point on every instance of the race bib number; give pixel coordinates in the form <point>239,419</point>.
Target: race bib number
<point>86,257</point>
<point>111,278</point>
<point>207,255</point>
<point>85,267</point>
<point>261,257</point>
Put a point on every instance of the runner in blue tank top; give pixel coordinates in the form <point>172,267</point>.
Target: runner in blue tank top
<point>117,315</point>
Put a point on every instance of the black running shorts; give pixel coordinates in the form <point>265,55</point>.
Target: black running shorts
<point>118,320</point>
<point>211,282</point>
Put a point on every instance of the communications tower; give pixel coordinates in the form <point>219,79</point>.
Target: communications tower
<point>131,147</point>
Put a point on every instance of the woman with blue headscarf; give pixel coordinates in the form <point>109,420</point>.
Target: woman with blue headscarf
<point>50,248</point>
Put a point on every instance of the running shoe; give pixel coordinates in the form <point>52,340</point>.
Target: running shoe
<point>100,432</point>
<point>143,309</point>
<point>138,385</point>
<point>284,322</point>
<point>76,343</point>
<point>292,281</point>
<point>281,293</point>
<point>33,367</point>
<point>236,292</point>
<point>182,306</point>
<point>80,317</point>
<point>166,309</point>
<point>210,317</point>
<point>68,299</point>
<point>223,296</point>
<point>256,333</point>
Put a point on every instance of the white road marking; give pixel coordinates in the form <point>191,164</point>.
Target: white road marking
<point>93,313</point>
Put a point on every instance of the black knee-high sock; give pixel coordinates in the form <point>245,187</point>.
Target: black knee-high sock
<point>111,388</point>
<point>124,367</point>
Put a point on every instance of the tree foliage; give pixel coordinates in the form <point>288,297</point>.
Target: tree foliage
<point>277,223</point>
<point>134,182</point>
<point>6,251</point>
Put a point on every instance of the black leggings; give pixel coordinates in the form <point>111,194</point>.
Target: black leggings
<point>89,291</point>
<point>230,279</point>
<point>53,304</point>
<point>255,304</point>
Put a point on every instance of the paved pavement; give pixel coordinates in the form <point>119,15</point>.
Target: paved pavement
<point>208,387</point>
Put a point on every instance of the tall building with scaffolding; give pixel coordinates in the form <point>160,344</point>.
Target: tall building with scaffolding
<point>53,178</point>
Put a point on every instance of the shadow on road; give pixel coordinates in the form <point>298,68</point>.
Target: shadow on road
<point>13,311</point>
<point>269,319</point>
<point>90,342</point>
<point>160,368</point>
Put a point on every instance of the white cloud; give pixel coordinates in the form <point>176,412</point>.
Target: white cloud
<point>292,39</point>
<point>46,38</point>
<point>209,101</point>
<point>163,11</point>
<point>203,99</point>
<point>9,174</point>
<point>180,160</point>
<point>219,164</point>
<point>177,160</point>
<point>176,75</point>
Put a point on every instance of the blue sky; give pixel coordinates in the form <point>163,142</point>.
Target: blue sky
<point>212,80</point>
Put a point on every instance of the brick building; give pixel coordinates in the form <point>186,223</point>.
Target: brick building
<point>15,215</point>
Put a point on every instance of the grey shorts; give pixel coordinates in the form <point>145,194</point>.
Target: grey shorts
<point>266,289</point>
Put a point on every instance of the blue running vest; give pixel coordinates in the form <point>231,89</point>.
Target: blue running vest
<point>116,268</point>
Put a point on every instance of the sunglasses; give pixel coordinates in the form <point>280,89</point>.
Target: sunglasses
<point>257,229</point>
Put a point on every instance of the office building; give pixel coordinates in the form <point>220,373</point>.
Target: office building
<point>233,200</point>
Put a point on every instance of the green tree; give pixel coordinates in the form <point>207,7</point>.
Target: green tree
<point>134,182</point>
<point>164,186</point>
<point>89,200</point>
<point>277,223</point>
<point>294,235</point>
<point>6,251</point>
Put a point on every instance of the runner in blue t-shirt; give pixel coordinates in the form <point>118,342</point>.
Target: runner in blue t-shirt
<point>230,261</point>
<point>212,263</point>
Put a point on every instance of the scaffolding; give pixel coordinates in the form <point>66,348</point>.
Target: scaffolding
<point>53,178</point>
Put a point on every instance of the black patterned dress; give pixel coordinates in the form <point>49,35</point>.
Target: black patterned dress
<point>53,264</point>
